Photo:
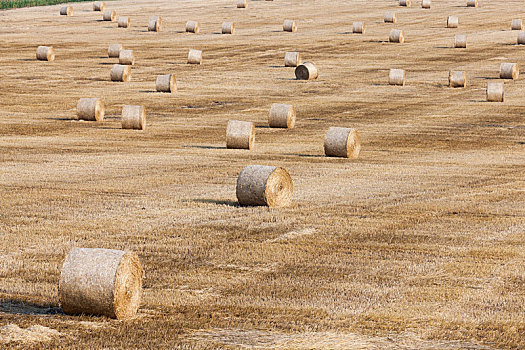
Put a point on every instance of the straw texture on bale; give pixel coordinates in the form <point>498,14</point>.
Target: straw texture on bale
<point>390,17</point>
<point>99,6</point>
<point>281,116</point>
<point>342,142</point>
<point>264,185</point>
<point>521,38</point>
<point>91,109</point>
<point>495,91</point>
<point>101,282</point>
<point>133,117</point>
<point>289,25</point>
<point>292,59</point>
<point>457,79</point>
<point>358,27</point>
<point>123,22</point>
<point>460,41</point>
<point>192,27</point>
<point>45,53</point>
<point>396,36</point>
<point>452,22</point>
<point>109,15</point>
<point>306,71</point>
<point>126,57</point>
<point>406,3</point>
<point>114,50</point>
<point>240,134</point>
<point>516,24</point>
<point>425,4</point>
<point>228,28</point>
<point>509,71</point>
<point>242,4</point>
<point>154,23</point>
<point>166,83</point>
<point>195,56</point>
<point>121,72</point>
<point>472,3</point>
<point>397,77</point>
<point>66,10</point>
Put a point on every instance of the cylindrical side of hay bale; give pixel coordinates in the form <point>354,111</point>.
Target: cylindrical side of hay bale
<point>114,50</point>
<point>193,27</point>
<point>102,282</point>
<point>521,38</point>
<point>242,4</point>
<point>457,79</point>
<point>99,6</point>
<point>109,15</point>
<point>123,22</point>
<point>292,59</point>
<point>396,36</point>
<point>195,56</point>
<point>406,3</point>
<point>126,57</point>
<point>228,28</point>
<point>342,142</point>
<point>264,185</point>
<point>66,10</point>
<point>282,116</point>
<point>133,117</point>
<point>397,77</point>
<point>390,17</point>
<point>452,22</point>
<point>121,72</point>
<point>509,71</point>
<point>306,71</point>
<point>45,53</point>
<point>91,109</point>
<point>240,134</point>
<point>495,91</point>
<point>472,3</point>
<point>516,24</point>
<point>358,27</point>
<point>154,23</point>
<point>289,25</point>
<point>166,83</point>
<point>460,41</point>
<point>425,4</point>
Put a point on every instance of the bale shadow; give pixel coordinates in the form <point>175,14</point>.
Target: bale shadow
<point>17,307</point>
<point>27,59</point>
<point>149,91</point>
<point>106,63</point>
<point>377,41</point>
<point>443,47</point>
<point>488,78</point>
<point>71,119</point>
<point>219,202</point>
<point>279,67</point>
<point>307,155</point>
<point>204,147</point>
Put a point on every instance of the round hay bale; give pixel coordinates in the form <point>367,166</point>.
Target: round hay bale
<point>289,25</point>
<point>242,4</point>
<point>516,24</point>
<point>193,27</point>
<point>425,4</point>
<point>114,50</point>
<point>126,57</point>
<point>228,28</point>
<point>154,23</point>
<point>390,17</point>
<point>521,38</point>
<point>45,53</point>
<point>66,10</point>
<point>264,185</point>
<point>358,27</point>
<point>342,142</point>
<point>472,3</point>
<point>281,116</point>
<point>99,6</point>
<point>123,22</point>
<point>509,71</point>
<point>457,79</point>
<point>292,59</point>
<point>452,22</point>
<point>195,56</point>
<point>306,71</point>
<point>101,282</point>
<point>495,91</point>
<point>397,77</point>
<point>396,36</point>
<point>166,83</point>
<point>406,3</point>
<point>240,134</point>
<point>133,117</point>
<point>91,109</point>
<point>460,41</point>
<point>109,15</point>
<point>121,72</point>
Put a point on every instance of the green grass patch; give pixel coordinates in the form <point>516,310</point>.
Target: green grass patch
<point>9,4</point>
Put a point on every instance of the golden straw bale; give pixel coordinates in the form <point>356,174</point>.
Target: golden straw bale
<point>396,36</point>
<point>66,10</point>
<point>342,142</point>
<point>406,3</point>
<point>228,28</point>
<point>495,91</point>
<point>126,57</point>
<point>457,79</point>
<point>133,117</point>
<point>45,53</point>
<point>452,22</point>
<point>264,185</point>
<point>121,72</point>
<point>114,50</point>
<point>390,17</point>
<point>154,23</point>
<point>91,109</point>
<point>281,116</point>
<point>516,24</point>
<point>99,6</point>
<point>521,38</point>
<point>509,71</point>
<point>460,41</point>
<point>306,71</point>
<point>195,56</point>
<point>289,25</point>
<point>240,134</point>
<point>472,3</point>
<point>109,15</point>
<point>242,4</point>
<point>292,59</point>
<point>166,83</point>
<point>358,27</point>
<point>123,22</point>
<point>425,4</point>
<point>193,27</point>
<point>397,77</point>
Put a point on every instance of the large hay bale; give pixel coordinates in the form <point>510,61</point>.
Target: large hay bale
<point>460,41</point>
<point>457,79</point>
<point>45,53</point>
<point>240,134</point>
<point>358,27</point>
<point>114,50</point>
<point>193,27</point>
<point>397,77</point>
<point>516,24</point>
<point>289,25</point>
<point>133,117</point>
<point>121,72</point>
<point>123,22</point>
<point>425,4</point>
<point>264,185</point>
<point>166,83</point>
<point>406,3</point>
<point>91,109</point>
<point>99,6</point>
<point>509,71</point>
<point>521,38</point>
<point>306,71</point>
<point>472,3</point>
<point>242,4</point>
<point>126,57</point>
<point>342,142</point>
<point>66,10</point>
<point>281,116</point>
<point>452,22</point>
<point>109,15</point>
<point>228,28</point>
<point>292,59</point>
<point>154,23</point>
<point>102,282</point>
<point>396,36</point>
<point>390,17</point>
<point>495,91</point>
<point>195,56</point>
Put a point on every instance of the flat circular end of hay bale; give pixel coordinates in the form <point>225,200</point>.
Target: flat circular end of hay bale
<point>306,71</point>
<point>240,134</point>
<point>133,117</point>
<point>342,142</point>
<point>91,109</point>
<point>264,185</point>
<point>166,83</point>
<point>282,116</point>
<point>128,286</point>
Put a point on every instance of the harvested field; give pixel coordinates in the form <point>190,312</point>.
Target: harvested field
<point>417,244</point>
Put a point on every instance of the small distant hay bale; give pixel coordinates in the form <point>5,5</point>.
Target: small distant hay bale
<point>126,57</point>
<point>264,185</point>
<point>121,72</point>
<point>509,71</point>
<point>228,28</point>
<point>516,24</point>
<point>66,10</point>
<point>390,17</point>
<point>99,6</point>
<point>342,142</point>
<point>192,27</point>
<point>240,134</point>
<point>114,50</point>
<point>133,117</point>
<point>306,71</point>
<point>460,41</point>
<point>123,22</point>
<point>242,4</point>
<point>495,91</point>
<point>154,23</point>
<point>292,59</point>
<point>91,109</point>
<point>166,83</point>
<point>396,36</point>
<point>521,38</point>
<point>289,25</point>
<point>358,27</point>
<point>45,53</point>
<point>406,3</point>
<point>195,56</point>
<point>101,282</point>
<point>281,116</point>
<point>472,3</point>
<point>452,22</point>
<point>397,77</point>
<point>425,4</point>
<point>457,79</point>
<point>109,15</point>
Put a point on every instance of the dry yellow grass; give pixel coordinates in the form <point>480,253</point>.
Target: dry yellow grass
<point>418,243</point>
